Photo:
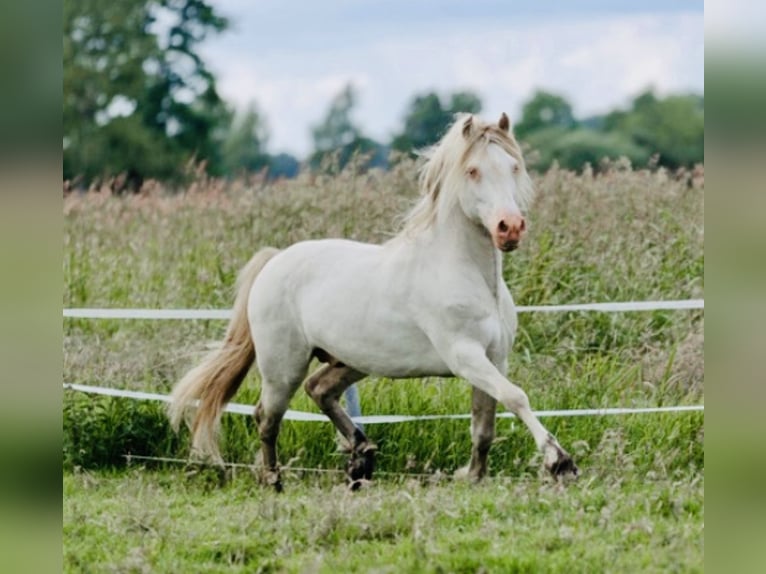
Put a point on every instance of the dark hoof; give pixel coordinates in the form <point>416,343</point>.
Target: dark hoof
<point>355,485</point>
<point>361,464</point>
<point>564,465</point>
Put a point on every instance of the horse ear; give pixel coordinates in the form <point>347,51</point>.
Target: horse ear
<point>467,126</point>
<point>504,123</point>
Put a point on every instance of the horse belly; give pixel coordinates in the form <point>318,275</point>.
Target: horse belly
<point>396,356</point>
<point>374,338</point>
<point>354,306</point>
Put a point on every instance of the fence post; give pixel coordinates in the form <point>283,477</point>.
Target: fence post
<point>353,407</point>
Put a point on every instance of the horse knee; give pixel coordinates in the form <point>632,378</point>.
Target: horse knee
<point>323,387</point>
<point>482,439</point>
<point>515,400</point>
<point>311,388</point>
<point>318,394</point>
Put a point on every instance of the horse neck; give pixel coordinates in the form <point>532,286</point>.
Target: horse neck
<point>455,237</point>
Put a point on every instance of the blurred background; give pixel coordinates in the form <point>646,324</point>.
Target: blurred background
<point>231,87</point>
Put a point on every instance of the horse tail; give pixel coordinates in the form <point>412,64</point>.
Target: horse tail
<point>215,381</point>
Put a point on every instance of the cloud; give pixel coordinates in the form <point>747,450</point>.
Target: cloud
<point>597,61</point>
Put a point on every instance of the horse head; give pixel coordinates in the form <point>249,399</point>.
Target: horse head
<point>492,183</point>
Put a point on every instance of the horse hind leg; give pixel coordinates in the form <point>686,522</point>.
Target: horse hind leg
<point>325,387</point>
<point>482,434</point>
<point>268,416</point>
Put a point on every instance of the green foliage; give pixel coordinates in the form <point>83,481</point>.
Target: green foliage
<point>429,116</point>
<point>543,111</point>
<point>244,148</point>
<point>283,165</point>
<point>673,127</point>
<point>100,431</point>
<point>337,129</point>
<point>137,97</point>
<point>575,148</point>
<point>337,139</point>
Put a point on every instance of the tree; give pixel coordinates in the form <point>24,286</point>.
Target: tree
<point>572,149</point>
<point>339,137</point>
<point>465,102</point>
<point>544,110</point>
<point>428,117</point>
<point>283,165</point>
<point>673,127</point>
<point>244,148</point>
<point>138,98</point>
<point>337,129</point>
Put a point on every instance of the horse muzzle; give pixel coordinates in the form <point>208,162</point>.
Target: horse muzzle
<point>507,231</point>
<point>508,246</point>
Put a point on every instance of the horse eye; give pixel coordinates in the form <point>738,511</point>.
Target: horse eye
<point>516,168</point>
<point>473,172</point>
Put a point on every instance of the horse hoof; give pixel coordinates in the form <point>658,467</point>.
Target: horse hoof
<point>557,460</point>
<point>461,473</point>
<point>273,479</point>
<point>360,468</point>
<point>355,485</point>
<point>563,466</point>
<point>464,473</point>
<point>361,464</point>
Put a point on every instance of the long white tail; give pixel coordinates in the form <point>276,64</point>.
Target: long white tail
<point>215,381</point>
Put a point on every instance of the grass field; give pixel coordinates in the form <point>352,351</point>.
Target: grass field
<point>141,521</point>
<point>638,506</point>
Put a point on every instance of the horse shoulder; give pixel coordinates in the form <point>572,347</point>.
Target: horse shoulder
<point>447,314</point>
<point>508,312</point>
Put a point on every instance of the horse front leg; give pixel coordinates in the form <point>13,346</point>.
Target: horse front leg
<point>325,387</point>
<point>469,361</point>
<point>482,434</point>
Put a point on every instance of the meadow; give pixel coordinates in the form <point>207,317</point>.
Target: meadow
<point>618,234</point>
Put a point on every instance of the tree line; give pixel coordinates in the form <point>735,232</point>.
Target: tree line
<point>139,101</point>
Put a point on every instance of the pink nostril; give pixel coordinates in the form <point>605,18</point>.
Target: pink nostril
<point>502,226</point>
<point>523,225</point>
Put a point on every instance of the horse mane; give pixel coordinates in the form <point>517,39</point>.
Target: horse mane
<point>449,157</point>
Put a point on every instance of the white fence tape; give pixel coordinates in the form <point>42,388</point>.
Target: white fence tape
<point>387,419</point>
<point>226,313</point>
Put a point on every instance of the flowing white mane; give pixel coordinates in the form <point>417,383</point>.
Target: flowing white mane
<point>445,163</point>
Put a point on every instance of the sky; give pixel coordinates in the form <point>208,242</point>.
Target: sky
<point>290,57</point>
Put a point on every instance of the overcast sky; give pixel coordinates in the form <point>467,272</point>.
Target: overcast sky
<point>291,57</point>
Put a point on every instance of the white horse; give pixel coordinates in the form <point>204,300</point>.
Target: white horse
<point>429,302</point>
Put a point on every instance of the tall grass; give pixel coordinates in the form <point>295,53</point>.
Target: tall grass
<point>616,235</point>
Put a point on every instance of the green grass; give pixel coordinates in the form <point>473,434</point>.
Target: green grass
<point>638,506</point>
<point>165,522</point>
